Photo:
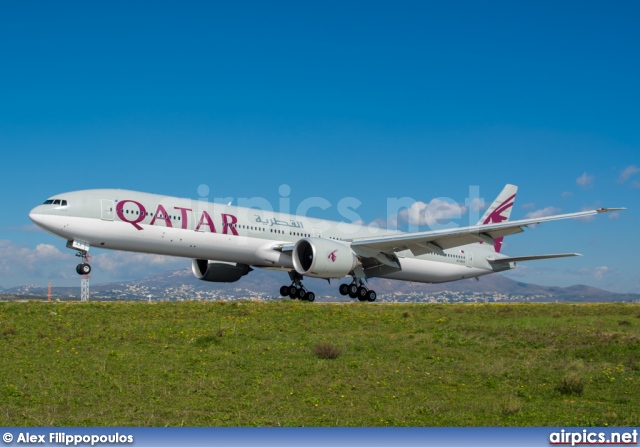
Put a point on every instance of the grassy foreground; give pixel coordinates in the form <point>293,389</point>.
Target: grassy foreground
<point>254,364</point>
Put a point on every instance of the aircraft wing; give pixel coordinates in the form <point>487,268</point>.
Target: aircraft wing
<point>439,240</point>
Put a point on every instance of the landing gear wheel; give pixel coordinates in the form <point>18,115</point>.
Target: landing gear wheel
<point>296,290</point>
<point>83,269</point>
<point>344,289</point>
<point>371,296</point>
<point>362,293</point>
<point>353,290</point>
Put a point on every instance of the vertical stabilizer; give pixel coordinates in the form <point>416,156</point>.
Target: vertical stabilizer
<point>500,210</point>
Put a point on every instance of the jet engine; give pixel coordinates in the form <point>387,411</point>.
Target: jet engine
<point>323,258</point>
<point>218,271</point>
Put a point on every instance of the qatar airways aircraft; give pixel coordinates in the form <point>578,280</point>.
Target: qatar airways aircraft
<point>226,242</point>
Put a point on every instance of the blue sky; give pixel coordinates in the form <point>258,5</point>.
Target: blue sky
<point>372,100</point>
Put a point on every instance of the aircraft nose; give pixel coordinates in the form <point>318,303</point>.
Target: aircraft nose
<point>36,215</point>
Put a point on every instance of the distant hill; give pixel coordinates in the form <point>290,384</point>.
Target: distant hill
<point>265,285</point>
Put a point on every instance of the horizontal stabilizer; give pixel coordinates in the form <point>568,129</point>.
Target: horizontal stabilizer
<point>529,258</point>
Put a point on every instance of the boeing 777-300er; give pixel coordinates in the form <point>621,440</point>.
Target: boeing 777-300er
<point>226,242</point>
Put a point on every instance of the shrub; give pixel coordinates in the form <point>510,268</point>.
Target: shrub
<point>326,351</point>
<point>510,407</point>
<point>571,385</point>
<point>207,340</point>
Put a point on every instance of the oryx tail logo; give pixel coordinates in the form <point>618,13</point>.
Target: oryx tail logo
<point>497,217</point>
<point>332,255</point>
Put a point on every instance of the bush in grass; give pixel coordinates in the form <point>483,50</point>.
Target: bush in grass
<point>326,351</point>
<point>510,407</point>
<point>571,385</point>
<point>207,340</point>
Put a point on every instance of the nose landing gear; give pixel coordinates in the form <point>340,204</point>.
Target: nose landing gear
<point>84,268</point>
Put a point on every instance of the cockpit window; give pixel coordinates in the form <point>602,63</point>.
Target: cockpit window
<point>55,202</point>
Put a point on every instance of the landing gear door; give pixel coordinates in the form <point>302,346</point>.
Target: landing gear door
<point>106,209</point>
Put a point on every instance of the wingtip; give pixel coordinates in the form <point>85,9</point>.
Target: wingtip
<point>607,210</point>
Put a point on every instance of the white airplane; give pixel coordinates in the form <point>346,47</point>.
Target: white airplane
<point>225,242</point>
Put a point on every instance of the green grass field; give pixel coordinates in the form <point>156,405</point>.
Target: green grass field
<point>255,364</point>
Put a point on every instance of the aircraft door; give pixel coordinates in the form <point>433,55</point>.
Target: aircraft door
<point>469,259</point>
<point>106,209</point>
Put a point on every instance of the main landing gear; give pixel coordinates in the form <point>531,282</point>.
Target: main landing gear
<point>296,289</point>
<point>358,290</point>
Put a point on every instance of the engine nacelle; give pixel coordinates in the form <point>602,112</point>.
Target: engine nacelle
<point>218,271</point>
<point>323,258</point>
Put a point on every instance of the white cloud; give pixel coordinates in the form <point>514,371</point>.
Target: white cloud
<point>20,264</point>
<point>477,204</point>
<point>588,208</point>
<point>599,273</point>
<point>17,259</point>
<point>121,264</point>
<point>627,173</point>
<point>585,181</point>
<point>528,206</point>
<point>567,194</point>
<point>436,213</point>
<point>544,212</point>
